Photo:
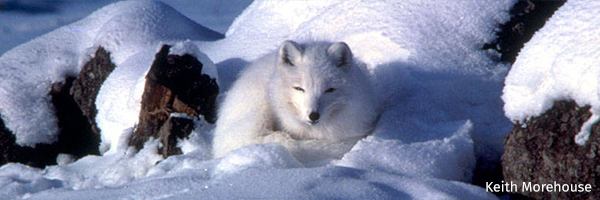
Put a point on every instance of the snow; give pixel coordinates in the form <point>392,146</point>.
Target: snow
<point>319,183</point>
<point>267,171</point>
<point>439,91</point>
<point>558,63</point>
<point>65,159</point>
<point>404,27</point>
<point>256,156</point>
<point>23,20</point>
<point>449,158</point>
<point>17,179</point>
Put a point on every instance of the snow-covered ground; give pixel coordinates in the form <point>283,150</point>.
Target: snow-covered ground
<point>559,63</point>
<point>440,92</point>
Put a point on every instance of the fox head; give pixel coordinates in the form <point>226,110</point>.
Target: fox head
<point>313,81</point>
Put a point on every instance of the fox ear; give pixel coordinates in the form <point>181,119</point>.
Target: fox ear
<point>289,53</point>
<point>340,54</point>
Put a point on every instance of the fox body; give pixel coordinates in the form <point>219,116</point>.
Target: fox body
<point>313,98</point>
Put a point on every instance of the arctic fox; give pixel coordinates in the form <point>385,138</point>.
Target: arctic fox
<point>313,98</point>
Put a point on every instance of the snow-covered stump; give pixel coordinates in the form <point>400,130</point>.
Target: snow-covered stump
<point>176,91</point>
<point>542,150</point>
<point>75,138</point>
<point>6,140</point>
<point>174,129</point>
<point>87,85</point>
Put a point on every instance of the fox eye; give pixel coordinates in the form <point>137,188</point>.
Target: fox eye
<point>299,89</point>
<point>330,90</point>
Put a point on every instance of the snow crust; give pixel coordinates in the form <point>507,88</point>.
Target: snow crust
<point>558,63</point>
<point>439,96</point>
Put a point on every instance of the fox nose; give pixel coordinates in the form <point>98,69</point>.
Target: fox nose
<point>314,116</point>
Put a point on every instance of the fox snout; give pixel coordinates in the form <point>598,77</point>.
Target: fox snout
<point>314,117</point>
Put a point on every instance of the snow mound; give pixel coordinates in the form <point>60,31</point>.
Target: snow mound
<point>18,180</point>
<point>558,63</point>
<point>256,156</point>
<point>216,15</point>
<point>428,34</point>
<point>27,19</point>
<point>106,171</point>
<point>449,158</point>
<point>126,29</point>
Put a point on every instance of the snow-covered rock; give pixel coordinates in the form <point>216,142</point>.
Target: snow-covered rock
<point>552,94</point>
<point>542,150</point>
<point>558,63</point>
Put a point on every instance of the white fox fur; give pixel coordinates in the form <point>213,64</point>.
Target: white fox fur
<point>313,98</point>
